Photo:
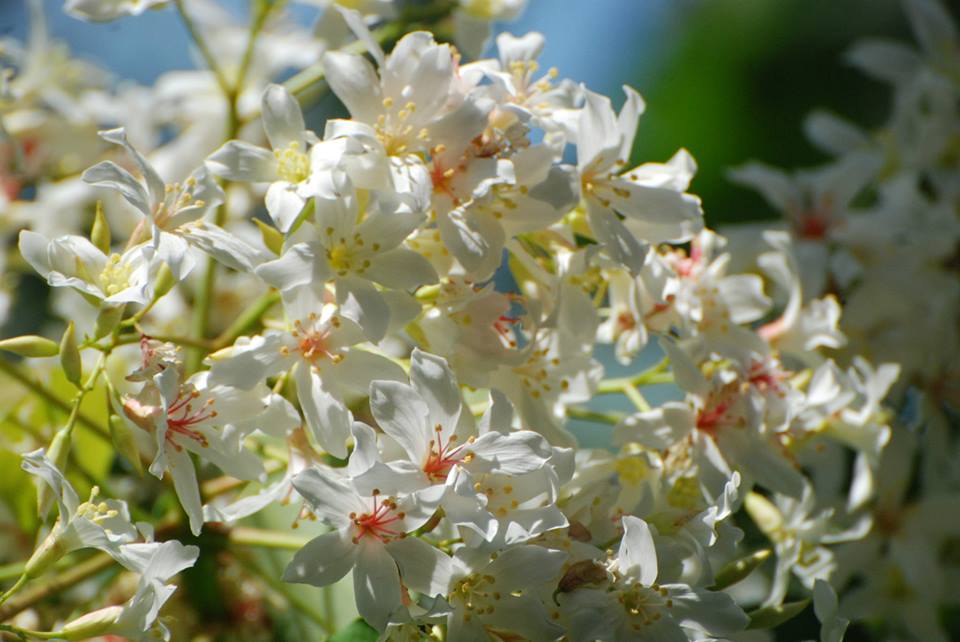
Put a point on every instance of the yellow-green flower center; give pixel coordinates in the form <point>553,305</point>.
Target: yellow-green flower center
<point>115,276</point>
<point>293,165</point>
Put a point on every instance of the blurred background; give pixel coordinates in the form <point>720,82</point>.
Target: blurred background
<point>730,80</point>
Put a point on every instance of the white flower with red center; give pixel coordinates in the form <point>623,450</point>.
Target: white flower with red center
<point>319,347</point>
<point>426,420</point>
<point>206,417</point>
<point>749,433</point>
<point>368,536</point>
<point>527,194</point>
<point>470,326</point>
<point>412,106</point>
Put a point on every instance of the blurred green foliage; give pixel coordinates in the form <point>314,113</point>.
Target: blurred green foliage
<point>737,77</point>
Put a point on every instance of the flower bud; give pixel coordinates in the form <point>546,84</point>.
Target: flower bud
<point>164,281</point>
<point>91,625</point>
<point>47,554</point>
<point>100,232</point>
<point>30,345</point>
<point>108,319</point>
<point>70,356</point>
<point>272,238</point>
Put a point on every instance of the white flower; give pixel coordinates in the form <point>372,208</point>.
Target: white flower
<point>286,166</point>
<point>74,262</point>
<point>635,606</point>
<point>327,366</point>
<point>406,110</point>
<point>205,417</point>
<point>498,596</point>
<point>354,247</point>
<point>174,211</point>
<point>651,197</point>
<point>368,537</point>
<point>138,618</point>
<point>95,523</point>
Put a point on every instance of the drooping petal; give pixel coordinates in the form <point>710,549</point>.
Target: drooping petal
<point>376,584</point>
<point>323,560</point>
<point>240,161</point>
<point>638,556</point>
<point>282,118</point>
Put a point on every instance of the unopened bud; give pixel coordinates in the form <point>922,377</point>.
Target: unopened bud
<point>30,345</point>
<point>272,238</point>
<point>108,319</point>
<point>47,554</point>
<point>70,356</point>
<point>164,281</point>
<point>91,625</point>
<point>100,232</point>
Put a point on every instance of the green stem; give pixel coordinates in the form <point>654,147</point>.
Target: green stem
<point>596,416</point>
<point>200,42</point>
<point>48,395</point>
<point>127,339</point>
<point>13,589</point>
<point>266,539</point>
<point>247,320</point>
<point>54,584</point>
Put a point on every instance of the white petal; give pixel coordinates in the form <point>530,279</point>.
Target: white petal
<point>185,483</point>
<point>282,118</point>
<point>422,567</point>
<point>402,269</point>
<point>637,555</point>
<point>361,302</point>
<point>327,417</point>
<point>240,161</point>
<point>284,204</point>
<point>298,265</point>
<point>403,415</point>
<point>437,386</point>
<point>526,567</point>
<point>354,80</point>
<point>376,584</point>
<point>323,560</point>
<point>332,498</point>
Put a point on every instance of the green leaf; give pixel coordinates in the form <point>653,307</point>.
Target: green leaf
<point>356,631</point>
<point>773,616</point>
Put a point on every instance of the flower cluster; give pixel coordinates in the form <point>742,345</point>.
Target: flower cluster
<point>397,325</point>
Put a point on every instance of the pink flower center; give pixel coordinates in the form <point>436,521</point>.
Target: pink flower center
<point>377,523</point>
<point>442,456</point>
<point>184,413</point>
